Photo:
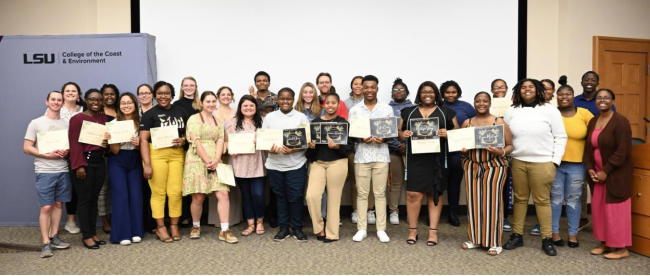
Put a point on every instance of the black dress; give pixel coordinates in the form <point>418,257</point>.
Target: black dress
<point>427,172</point>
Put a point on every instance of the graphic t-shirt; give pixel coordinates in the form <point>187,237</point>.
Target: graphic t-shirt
<point>45,124</point>
<point>160,117</point>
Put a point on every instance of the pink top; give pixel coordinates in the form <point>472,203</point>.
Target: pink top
<point>246,165</point>
<point>598,160</point>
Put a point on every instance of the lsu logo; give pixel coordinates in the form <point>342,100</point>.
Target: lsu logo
<point>38,59</point>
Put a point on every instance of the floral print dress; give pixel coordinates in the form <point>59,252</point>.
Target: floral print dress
<point>196,178</point>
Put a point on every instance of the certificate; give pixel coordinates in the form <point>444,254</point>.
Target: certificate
<point>460,138</point>
<point>307,129</point>
<point>294,138</point>
<point>425,146</point>
<point>384,127</point>
<point>360,127</point>
<point>424,129</point>
<point>337,132</point>
<point>489,136</point>
<point>92,133</point>
<point>162,137</point>
<point>225,174</point>
<point>241,143</point>
<point>500,106</point>
<point>267,137</point>
<point>121,131</point>
<point>52,140</point>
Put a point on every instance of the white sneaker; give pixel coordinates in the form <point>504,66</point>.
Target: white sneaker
<point>371,217</point>
<point>71,227</point>
<point>136,239</point>
<point>383,237</point>
<point>125,242</point>
<point>354,217</point>
<point>340,222</point>
<point>394,218</point>
<point>360,235</point>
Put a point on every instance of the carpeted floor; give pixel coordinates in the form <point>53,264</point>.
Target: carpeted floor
<point>261,255</point>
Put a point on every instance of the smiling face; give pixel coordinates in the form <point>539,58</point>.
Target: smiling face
<point>248,109</point>
<point>565,98</point>
<point>604,101</point>
<point>308,94</point>
<point>451,94</point>
<point>428,96</point>
<point>94,101</point>
<point>144,95</point>
<point>54,102</point>
<point>209,103</point>
<point>285,99</point>
<point>109,96</point>
<point>225,97</point>
<point>324,84</point>
<point>399,92</point>
<point>589,83</point>
<point>499,89</point>
<point>357,88</point>
<point>331,105</point>
<point>262,83</point>
<point>370,89</point>
<point>482,104</point>
<point>127,106</point>
<point>528,92</point>
<point>70,93</point>
<point>548,91</point>
<point>189,88</point>
<point>164,96</point>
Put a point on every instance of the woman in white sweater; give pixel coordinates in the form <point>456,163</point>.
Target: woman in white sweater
<point>539,138</point>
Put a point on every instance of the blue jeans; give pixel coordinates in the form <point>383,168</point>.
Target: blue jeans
<point>289,189</point>
<point>252,195</point>
<point>567,186</point>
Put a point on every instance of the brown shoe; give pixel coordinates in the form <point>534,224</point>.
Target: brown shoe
<point>195,233</point>
<point>599,250</point>
<point>249,230</point>
<point>228,237</point>
<point>259,228</point>
<point>618,254</point>
<point>177,236</point>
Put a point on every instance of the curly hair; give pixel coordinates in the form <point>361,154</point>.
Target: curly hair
<point>517,101</point>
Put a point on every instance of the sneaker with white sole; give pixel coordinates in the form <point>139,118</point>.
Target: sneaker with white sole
<point>360,235</point>
<point>57,243</point>
<point>125,242</point>
<point>354,217</point>
<point>394,218</point>
<point>71,227</point>
<point>136,239</point>
<point>383,237</point>
<point>371,217</point>
<point>536,231</point>
<point>506,226</point>
<point>46,251</point>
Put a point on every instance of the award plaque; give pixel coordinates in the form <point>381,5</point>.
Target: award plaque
<point>294,138</point>
<point>337,132</point>
<point>384,127</point>
<point>424,129</point>
<point>489,136</point>
<point>316,131</point>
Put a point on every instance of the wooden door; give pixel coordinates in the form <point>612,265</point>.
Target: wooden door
<point>623,67</point>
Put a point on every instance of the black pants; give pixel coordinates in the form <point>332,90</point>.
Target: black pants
<point>456,172</point>
<point>71,206</point>
<point>88,192</point>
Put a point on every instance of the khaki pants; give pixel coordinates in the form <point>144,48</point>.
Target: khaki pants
<point>536,179</point>
<point>377,173</point>
<point>353,186</point>
<point>330,175</point>
<point>396,182</point>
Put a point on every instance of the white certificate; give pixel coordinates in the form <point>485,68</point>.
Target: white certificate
<point>225,174</point>
<point>359,127</point>
<point>425,146</point>
<point>121,131</point>
<point>163,137</point>
<point>500,106</point>
<point>92,133</point>
<point>267,137</point>
<point>307,132</point>
<point>461,138</point>
<point>241,143</point>
<point>52,140</point>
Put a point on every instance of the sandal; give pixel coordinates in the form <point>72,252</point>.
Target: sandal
<point>469,245</point>
<point>495,250</point>
<point>167,239</point>
<point>413,241</point>
<point>175,237</point>
<point>260,224</point>
<point>249,230</point>
<point>429,242</point>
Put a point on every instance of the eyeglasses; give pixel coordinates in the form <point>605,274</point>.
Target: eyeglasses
<point>164,94</point>
<point>399,89</point>
<point>498,87</point>
<point>126,103</point>
<point>603,98</point>
<point>97,100</point>
<point>144,94</point>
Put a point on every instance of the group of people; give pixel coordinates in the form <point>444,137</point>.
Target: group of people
<point>549,153</point>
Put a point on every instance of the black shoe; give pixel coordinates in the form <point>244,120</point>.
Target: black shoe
<point>573,244</point>
<point>300,236</point>
<point>100,242</point>
<point>94,246</point>
<point>547,246</point>
<point>320,238</point>
<point>273,222</point>
<point>106,231</point>
<point>453,220</point>
<point>516,240</point>
<point>559,242</point>
<point>283,234</point>
<point>326,240</point>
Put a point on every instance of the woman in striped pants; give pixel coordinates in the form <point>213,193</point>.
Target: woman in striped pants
<point>485,175</point>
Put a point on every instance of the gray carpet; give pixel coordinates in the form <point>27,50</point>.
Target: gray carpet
<point>261,255</point>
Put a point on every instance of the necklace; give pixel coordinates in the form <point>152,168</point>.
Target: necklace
<point>484,123</point>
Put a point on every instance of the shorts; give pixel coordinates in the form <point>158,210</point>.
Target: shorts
<point>53,187</point>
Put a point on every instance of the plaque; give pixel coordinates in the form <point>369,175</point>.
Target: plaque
<point>489,136</point>
<point>337,132</point>
<point>294,138</point>
<point>424,129</point>
<point>384,127</point>
<point>315,129</point>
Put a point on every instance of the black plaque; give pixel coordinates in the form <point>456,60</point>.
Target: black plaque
<point>316,133</point>
<point>295,138</point>
<point>489,136</point>
<point>384,127</point>
<point>338,132</point>
<point>424,129</point>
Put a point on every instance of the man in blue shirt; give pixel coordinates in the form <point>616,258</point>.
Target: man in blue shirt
<point>588,98</point>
